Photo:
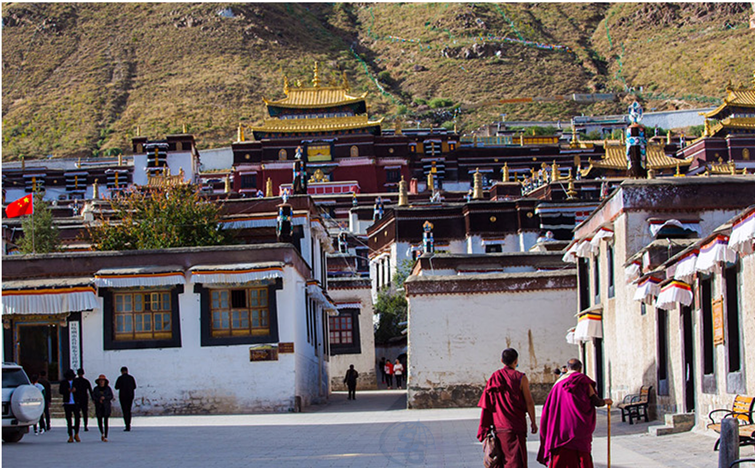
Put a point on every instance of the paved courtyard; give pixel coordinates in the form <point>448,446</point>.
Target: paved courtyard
<point>373,431</point>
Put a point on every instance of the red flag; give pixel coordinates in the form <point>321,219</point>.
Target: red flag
<point>20,207</point>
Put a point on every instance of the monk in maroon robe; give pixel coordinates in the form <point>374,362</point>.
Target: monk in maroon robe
<point>568,420</point>
<point>505,402</point>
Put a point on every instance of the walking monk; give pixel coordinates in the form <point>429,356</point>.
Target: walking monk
<point>505,402</point>
<point>568,420</point>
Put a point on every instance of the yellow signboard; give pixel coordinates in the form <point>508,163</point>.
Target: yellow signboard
<point>318,153</point>
<point>718,321</point>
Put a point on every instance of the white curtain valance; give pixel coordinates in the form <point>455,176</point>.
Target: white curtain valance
<point>48,301</point>
<point>261,221</point>
<point>349,305</point>
<point>603,233</point>
<point>316,293</point>
<point>633,271</point>
<point>743,235</point>
<point>655,227</point>
<point>714,253</point>
<point>571,254</point>
<point>685,268</point>
<point>647,289</point>
<point>589,326</point>
<point>236,273</point>
<point>135,277</point>
<point>585,248</point>
<point>570,336</point>
<point>676,292</point>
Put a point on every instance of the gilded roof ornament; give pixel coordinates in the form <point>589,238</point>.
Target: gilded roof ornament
<point>316,79</point>
<point>285,84</point>
<point>345,82</point>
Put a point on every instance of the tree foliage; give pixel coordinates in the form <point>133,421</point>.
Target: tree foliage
<point>392,306</point>
<point>160,219</point>
<point>40,233</point>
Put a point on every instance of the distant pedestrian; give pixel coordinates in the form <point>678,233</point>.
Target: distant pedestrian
<point>388,373</point>
<point>102,395</point>
<point>382,369</point>
<point>83,392</point>
<point>48,397</point>
<point>41,422</point>
<point>126,384</point>
<point>351,382</point>
<point>73,415</point>
<point>398,372</point>
<point>505,403</point>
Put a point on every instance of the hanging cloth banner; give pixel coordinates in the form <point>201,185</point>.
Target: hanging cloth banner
<point>315,292</point>
<point>685,268</point>
<point>647,289</point>
<point>570,336</point>
<point>633,271</point>
<point>571,253</point>
<point>675,292</point>
<point>590,326</point>
<point>714,253</point>
<point>585,248</point>
<point>657,225</point>
<point>603,233</point>
<point>743,235</point>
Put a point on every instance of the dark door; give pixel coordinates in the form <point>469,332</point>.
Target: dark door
<point>689,360</point>
<point>599,366</point>
<point>38,349</point>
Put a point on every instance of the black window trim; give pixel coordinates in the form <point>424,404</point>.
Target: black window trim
<point>356,342</point>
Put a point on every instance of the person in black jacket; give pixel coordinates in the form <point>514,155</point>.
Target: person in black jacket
<point>102,395</point>
<point>126,384</point>
<point>70,407</point>
<point>351,382</point>
<point>83,391</point>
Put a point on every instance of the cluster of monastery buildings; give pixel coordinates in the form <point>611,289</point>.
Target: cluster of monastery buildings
<point>634,255</point>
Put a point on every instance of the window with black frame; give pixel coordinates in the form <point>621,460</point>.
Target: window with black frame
<point>344,332</point>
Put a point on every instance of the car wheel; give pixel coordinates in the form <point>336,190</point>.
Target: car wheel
<point>27,404</point>
<point>12,436</point>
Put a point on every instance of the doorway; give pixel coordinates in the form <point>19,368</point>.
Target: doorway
<point>38,348</point>
<point>688,359</point>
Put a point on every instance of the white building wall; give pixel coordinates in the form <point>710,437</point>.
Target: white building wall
<point>455,341</point>
<point>364,362</point>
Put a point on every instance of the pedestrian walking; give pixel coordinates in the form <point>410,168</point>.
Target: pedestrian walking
<point>351,382</point>
<point>102,395</point>
<point>71,409</point>
<point>41,422</point>
<point>126,384</point>
<point>48,397</point>
<point>388,373</point>
<point>83,392</point>
<point>568,420</point>
<point>382,369</point>
<point>398,372</point>
<point>505,403</point>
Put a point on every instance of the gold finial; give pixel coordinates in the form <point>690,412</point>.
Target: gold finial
<point>744,171</point>
<point>430,182</point>
<point>166,171</point>
<point>23,162</point>
<point>345,81</point>
<point>505,172</point>
<point>227,186</point>
<point>521,139</point>
<point>397,127</point>
<point>477,189</point>
<point>403,193</point>
<point>285,84</point>
<point>651,173</point>
<point>116,180</point>
<point>555,172</point>
<point>184,129</point>
<point>678,171</point>
<point>707,132</point>
<point>120,159</point>
<point>78,163</point>
<point>95,190</point>
<point>732,167</point>
<point>571,191</point>
<point>240,133</point>
<point>316,79</point>
<point>138,131</point>
<point>668,137</point>
<point>269,188</point>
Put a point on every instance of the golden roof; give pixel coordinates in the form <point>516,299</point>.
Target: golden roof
<point>308,98</point>
<point>734,122</point>
<point>325,124</point>
<point>739,97</point>
<point>615,158</point>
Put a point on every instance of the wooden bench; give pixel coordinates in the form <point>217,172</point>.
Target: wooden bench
<point>635,406</point>
<point>742,411</point>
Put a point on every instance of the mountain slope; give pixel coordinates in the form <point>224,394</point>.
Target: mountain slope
<point>79,78</point>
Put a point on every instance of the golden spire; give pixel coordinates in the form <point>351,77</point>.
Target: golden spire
<point>227,185</point>
<point>116,179</point>
<point>269,188</point>
<point>555,175</point>
<point>285,84</point>
<point>120,159</point>
<point>477,190</point>
<point>732,167</point>
<point>397,127</point>
<point>430,182</point>
<point>316,79</point>
<point>403,194</point>
<point>138,131</point>
<point>668,137</point>
<point>505,171</point>
<point>23,163</point>
<point>678,171</point>
<point>345,81</point>
<point>95,190</point>
<point>184,129</point>
<point>707,132</point>
<point>240,133</point>
<point>571,191</point>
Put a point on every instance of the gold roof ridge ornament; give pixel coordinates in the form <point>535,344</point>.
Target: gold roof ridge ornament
<point>240,133</point>
<point>345,82</point>
<point>285,84</point>
<point>477,193</point>
<point>403,194</point>
<point>316,78</point>
<point>571,191</point>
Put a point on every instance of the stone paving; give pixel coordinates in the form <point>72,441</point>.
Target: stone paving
<point>373,431</point>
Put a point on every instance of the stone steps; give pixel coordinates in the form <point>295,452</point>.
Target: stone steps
<point>675,423</point>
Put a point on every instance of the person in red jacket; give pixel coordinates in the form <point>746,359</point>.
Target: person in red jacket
<point>389,373</point>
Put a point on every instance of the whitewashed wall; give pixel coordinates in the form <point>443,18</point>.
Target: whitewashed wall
<point>364,362</point>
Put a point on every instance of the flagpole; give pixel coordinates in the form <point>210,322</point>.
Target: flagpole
<point>609,436</point>
<point>33,226</point>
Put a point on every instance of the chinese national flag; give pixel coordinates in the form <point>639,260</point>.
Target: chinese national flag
<point>20,207</point>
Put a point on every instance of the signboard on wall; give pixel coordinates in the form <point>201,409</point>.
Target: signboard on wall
<point>285,348</point>
<point>718,321</point>
<point>74,340</point>
<point>263,353</point>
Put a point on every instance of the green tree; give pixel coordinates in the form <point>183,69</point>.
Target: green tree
<point>391,306</point>
<point>40,233</point>
<point>159,219</point>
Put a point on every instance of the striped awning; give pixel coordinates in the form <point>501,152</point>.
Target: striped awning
<point>48,296</point>
<point>236,272</point>
<point>685,268</point>
<point>633,271</point>
<point>656,225</point>
<point>743,235</point>
<point>714,253</point>
<point>348,305</point>
<point>673,293</point>
<point>647,289</point>
<point>139,276</point>
<point>260,221</point>
<point>590,326</point>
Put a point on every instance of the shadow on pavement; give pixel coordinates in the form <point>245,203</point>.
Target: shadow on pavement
<point>368,400</point>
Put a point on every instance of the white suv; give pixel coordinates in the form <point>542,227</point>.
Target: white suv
<point>23,403</point>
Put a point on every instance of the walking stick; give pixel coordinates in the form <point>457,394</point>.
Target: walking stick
<point>609,435</point>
